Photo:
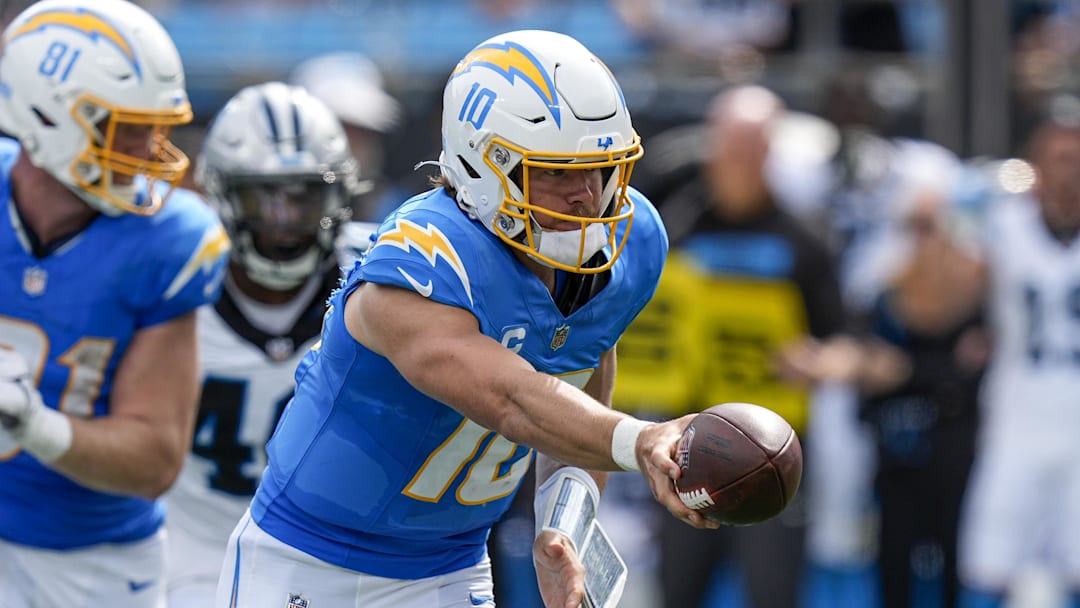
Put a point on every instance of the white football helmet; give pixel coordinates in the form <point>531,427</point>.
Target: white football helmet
<point>277,165</point>
<point>538,99</point>
<point>75,74</point>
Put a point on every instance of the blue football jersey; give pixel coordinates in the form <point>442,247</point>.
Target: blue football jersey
<point>367,472</point>
<point>72,314</point>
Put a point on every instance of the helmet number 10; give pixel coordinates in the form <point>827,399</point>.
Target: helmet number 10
<point>477,105</point>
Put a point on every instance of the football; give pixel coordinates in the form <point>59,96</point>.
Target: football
<point>741,464</point>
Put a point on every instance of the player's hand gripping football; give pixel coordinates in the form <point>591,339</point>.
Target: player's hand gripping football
<point>20,401</point>
<point>656,456</point>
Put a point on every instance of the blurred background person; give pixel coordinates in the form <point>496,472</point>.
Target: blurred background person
<point>1025,486</point>
<point>925,418</point>
<point>276,165</point>
<point>351,85</point>
<point>760,281</point>
<point>918,374</point>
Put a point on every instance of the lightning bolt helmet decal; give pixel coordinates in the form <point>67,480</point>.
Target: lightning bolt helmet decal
<point>93,26</point>
<point>512,60</point>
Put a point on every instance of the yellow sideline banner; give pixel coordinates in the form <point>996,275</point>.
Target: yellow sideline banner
<point>711,338</point>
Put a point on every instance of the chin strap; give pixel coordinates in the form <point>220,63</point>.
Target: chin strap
<point>564,247</point>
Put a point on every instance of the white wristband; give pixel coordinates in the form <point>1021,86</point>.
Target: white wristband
<point>624,443</point>
<point>47,434</point>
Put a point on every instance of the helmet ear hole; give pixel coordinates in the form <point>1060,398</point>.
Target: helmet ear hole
<point>42,118</point>
<point>468,168</point>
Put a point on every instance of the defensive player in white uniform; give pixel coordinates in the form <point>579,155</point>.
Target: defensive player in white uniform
<point>104,264</point>
<point>480,326</point>
<point>277,165</point>
<point>1022,502</point>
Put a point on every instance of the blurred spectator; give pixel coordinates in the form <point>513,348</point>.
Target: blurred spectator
<point>871,176</point>
<point>768,283</point>
<point>918,379</point>
<point>925,428</point>
<point>352,86</point>
<point>885,178</point>
<point>1025,486</point>
<point>918,372</point>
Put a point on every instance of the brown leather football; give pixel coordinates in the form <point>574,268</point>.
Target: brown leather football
<point>741,464</point>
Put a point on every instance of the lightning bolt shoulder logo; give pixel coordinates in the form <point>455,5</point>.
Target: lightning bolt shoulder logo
<point>214,244</point>
<point>432,244</point>
<point>83,21</point>
<point>511,60</point>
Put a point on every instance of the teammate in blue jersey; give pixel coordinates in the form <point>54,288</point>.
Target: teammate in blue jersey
<point>478,331</point>
<point>277,165</point>
<point>104,265</point>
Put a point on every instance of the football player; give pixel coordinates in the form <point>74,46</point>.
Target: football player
<point>1025,487</point>
<point>479,329</point>
<point>105,262</point>
<point>277,165</point>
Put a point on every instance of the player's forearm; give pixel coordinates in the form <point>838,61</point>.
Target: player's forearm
<point>122,456</point>
<point>547,466</point>
<point>601,387</point>
<point>559,420</point>
<point>444,356</point>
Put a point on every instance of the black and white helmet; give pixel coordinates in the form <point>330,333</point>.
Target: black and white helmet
<point>277,165</point>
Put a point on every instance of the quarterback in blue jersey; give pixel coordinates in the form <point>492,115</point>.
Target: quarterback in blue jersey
<point>98,373</point>
<point>478,331</point>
